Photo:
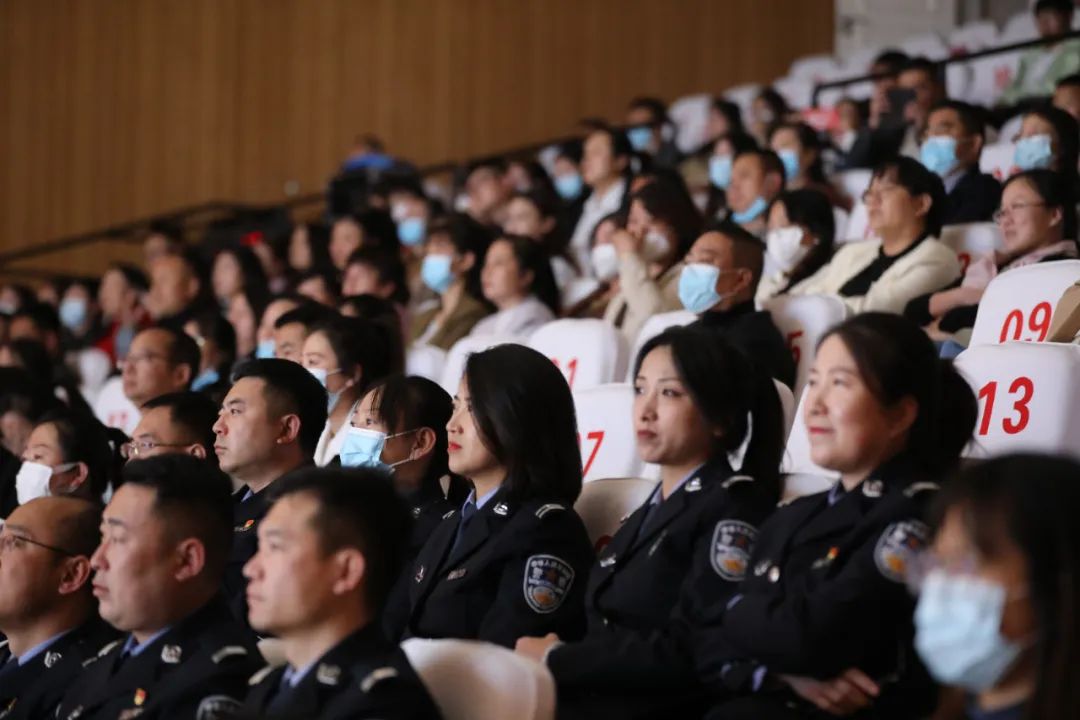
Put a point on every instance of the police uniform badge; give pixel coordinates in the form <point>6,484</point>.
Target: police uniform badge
<point>171,654</point>
<point>547,583</point>
<point>899,547</point>
<point>733,541</point>
<point>218,707</point>
<point>51,658</point>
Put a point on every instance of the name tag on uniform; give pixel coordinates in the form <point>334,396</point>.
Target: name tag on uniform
<point>456,574</point>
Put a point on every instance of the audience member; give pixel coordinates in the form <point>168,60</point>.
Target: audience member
<point>66,453</point>
<point>767,109</point>
<point>1038,223</point>
<point>371,228</point>
<point>330,549</point>
<point>243,313</point>
<point>517,539</point>
<point>157,576</point>
<point>649,129</point>
<point>951,148</point>
<point>177,289</point>
<point>721,161</point>
<point>990,617</point>
<point>292,328</point>
<point>79,314</point>
<point>605,168</point>
<point>162,360</point>
<point>800,241</point>
<point>237,269</point>
<point>216,340</point>
<point>1067,95</point>
<point>47,609</point>
<point>718,283</point>
<point>487,191</point>
<point>319,286</point>
<point>799,149</point>
<point>277,307</point>
<point>904,204</point>
<point>180,422</point>
<point>453,256</point>
<point>757,177</point>
<point>518,281</point>
<point>378,272</point>
<point>268,426</point>
<point>536,215</point>
<point>1048,139</point>
<point>122,310</point>
<point>1041,67</point>
<point>714,426</point>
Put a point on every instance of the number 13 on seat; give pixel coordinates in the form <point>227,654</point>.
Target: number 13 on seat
<point>1028,395</point>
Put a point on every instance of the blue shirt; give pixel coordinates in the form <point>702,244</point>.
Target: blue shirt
<point>656,500</point>
<point>293,677</point>
<point>134,648</point>
<point>39,648</point>
<point>471,500</point>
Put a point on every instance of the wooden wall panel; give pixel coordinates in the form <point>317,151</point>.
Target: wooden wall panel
<point>114,109</point>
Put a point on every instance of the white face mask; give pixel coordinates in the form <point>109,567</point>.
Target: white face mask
<point>656,246</point>
<point>32,480</point>
<point>784,250</point>
<point>605,262</point>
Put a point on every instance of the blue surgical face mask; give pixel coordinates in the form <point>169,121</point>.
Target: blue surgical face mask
<point>332,398</point>
<point>205,379</point>
<point>697,287</point>
<point>958,631</point>
<point>411,231</point>
<point>436,273</point>
<point>73,313</point>
<point>938,154</point>
<point>265,349</point>
<point>1033,152</point>
<point>639,137</point>
<point>363,447</point>
<point>720,171</point>
<point>751,213</point>
<point>568,186</point>
<point>790,158</point>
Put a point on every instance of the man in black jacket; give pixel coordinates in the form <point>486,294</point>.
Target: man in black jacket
<point>732,260</point>
<point>951,148</point>
<point>47,609</point>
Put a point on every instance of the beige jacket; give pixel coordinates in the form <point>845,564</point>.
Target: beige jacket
<point>929,267</point>
<point>1065,327</point>
<point>640,297</point>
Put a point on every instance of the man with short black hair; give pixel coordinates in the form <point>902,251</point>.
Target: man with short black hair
<point>293,327</point>
<point>330,549</point>
<point>165,539</point>
<point>757,177</point>
<point>37,321</point>
<point>646,120</point>
<point>951,148</point>
<point>1067,95</point>
<point>269,425</point>
<point>120,297</point>
<point>1041,67</point>
<point>720,279</point>
<point>47,609</point>
<point>180,422</point>
<point>487,190</point>
<point>178,289</point>
<point>162,360</point>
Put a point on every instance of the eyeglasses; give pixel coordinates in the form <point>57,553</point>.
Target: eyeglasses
<point>10,541</point>
<point>134,448</point>
<point>143,357</point>
<point>875,195</point>
<point>1005,212</point>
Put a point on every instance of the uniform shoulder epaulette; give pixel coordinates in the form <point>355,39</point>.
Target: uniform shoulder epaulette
<point>228,651</point>
<point>449,514</point>
<point>108,648</point>
<point>735,480</point>
<point>377,676</point>
<point>260,675</point>
<point>920,487</point>
<point>550,507</point>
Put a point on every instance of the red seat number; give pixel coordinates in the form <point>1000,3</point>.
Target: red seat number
<point>1023,389</point>
<point>597,437</point>
<point>571,370</point>
<point>1038,322</point>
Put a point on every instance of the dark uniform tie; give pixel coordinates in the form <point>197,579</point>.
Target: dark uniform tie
<point>467,513</point>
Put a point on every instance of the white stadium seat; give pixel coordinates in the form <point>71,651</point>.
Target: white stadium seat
<point>653,327</point>
<point>426,361</point>
<point>787,405</point>
<point>472,680</point>
<point>802,320</point>
<point>1019,304</point>
<point>854,182</point>
<point>796,90</point>
<point>588,352</point>
<point>606,431</point>
<point>743,96</point>
<point>840,222</point>
<point>973,36</point>
<point>972,240</point>
<point>1018,28</point>
<point>997,160</point>
<point>454,365</point>
<point>990,76</point>
<point>604,503</point>
<point>113,408</point>
<point>802,476</point>
<point>1029,397</point>
<point>815,68</point>
<point>93,366</point>
<point>858,225</point>
<point>928,45</point>
<point>691,116</point>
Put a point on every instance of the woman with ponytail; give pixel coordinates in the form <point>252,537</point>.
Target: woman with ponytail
<point>714,426</point>
<point>824,620</point>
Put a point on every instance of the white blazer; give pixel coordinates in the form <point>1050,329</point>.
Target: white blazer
<point>928,268</point>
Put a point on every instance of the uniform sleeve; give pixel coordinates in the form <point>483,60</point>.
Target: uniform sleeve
<point>619,657</point>
<point>542,587</point>
<point>823,630</point>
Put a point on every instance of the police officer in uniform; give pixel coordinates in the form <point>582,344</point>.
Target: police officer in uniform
<point>269,425</point>
<point>401,424</point>
<point>329,550</point>
<point>699,408</point>
<point>514,560</point>
<point>46,606</point>
<point>164,547</point>
<point>823,622</point>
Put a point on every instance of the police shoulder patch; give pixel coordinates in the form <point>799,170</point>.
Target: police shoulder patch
<point>218,707</point>
<point>898,548</point>
<point>376,676</point>
<point>547,583</point>
<point>259,676</point>
<point>545,509</point>
<point>732,543</point>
